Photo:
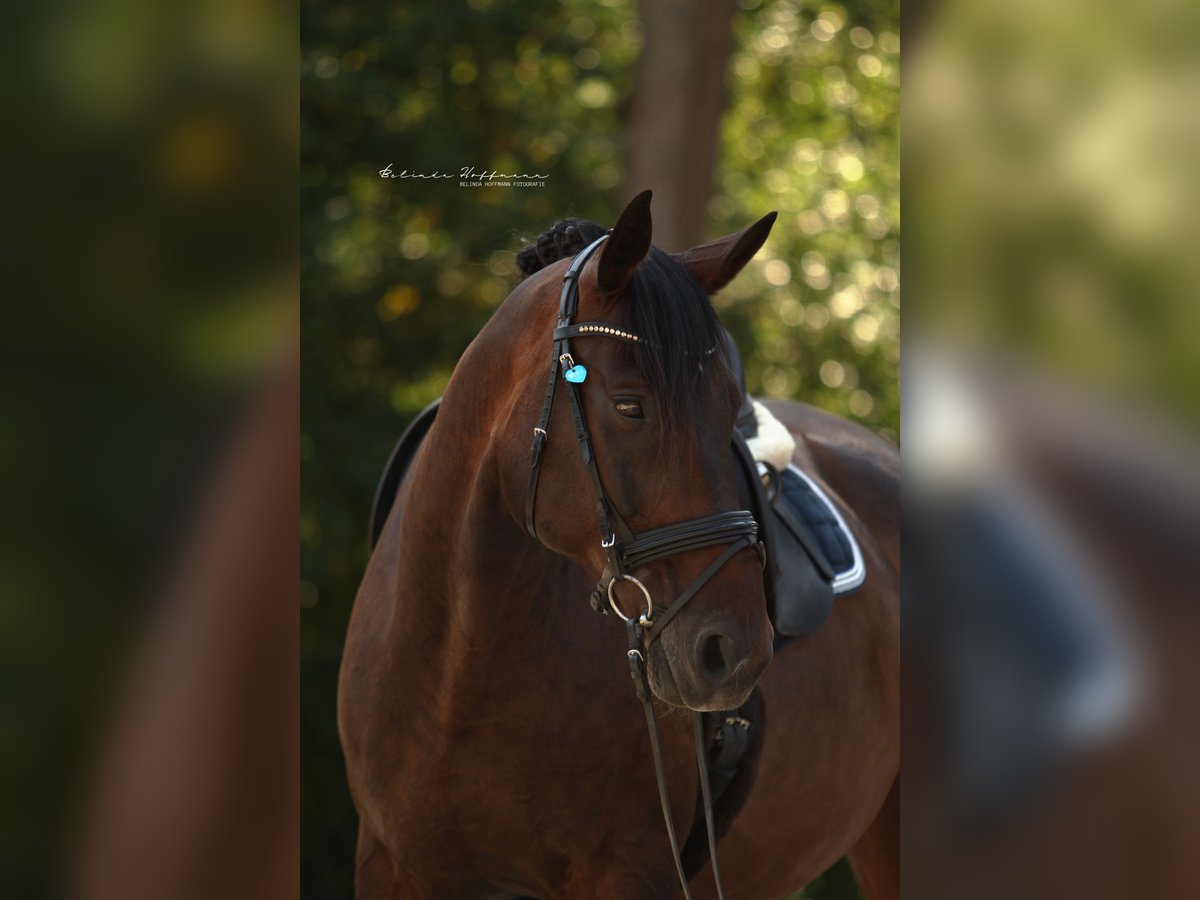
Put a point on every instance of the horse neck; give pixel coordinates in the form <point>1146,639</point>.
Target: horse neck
<point>473,591</point>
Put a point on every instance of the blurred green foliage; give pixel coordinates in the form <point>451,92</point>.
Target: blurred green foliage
<point>149,270</point>
<point>399,275</point>
<point>813,131</point>
<point>1053,147</point>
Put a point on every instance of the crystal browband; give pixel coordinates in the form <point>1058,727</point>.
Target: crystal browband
<point>564,332</point>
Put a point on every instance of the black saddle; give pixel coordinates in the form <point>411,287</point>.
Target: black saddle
<point>397,465</point>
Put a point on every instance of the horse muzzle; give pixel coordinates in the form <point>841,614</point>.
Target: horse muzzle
<point>709,671</point>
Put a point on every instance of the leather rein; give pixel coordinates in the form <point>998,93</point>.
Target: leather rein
<point>627,551</point>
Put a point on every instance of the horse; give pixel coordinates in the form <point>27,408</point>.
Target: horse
<point>492,739</point>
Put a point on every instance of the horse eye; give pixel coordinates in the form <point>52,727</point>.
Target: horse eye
<point>630,408</point>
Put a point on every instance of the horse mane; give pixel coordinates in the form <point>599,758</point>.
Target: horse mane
<point>670,311</point>
<point>565,238</point>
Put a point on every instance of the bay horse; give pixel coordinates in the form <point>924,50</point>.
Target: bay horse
<point>493,742</point>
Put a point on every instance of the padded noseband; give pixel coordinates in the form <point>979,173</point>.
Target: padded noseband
<point>626,551</point>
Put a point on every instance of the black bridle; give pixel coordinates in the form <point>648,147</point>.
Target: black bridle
<point>627,551</point>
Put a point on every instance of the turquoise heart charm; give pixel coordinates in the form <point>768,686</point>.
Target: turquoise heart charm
<point>576,374</point>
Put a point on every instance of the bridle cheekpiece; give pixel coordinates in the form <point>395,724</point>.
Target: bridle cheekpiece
<point>627,551</point>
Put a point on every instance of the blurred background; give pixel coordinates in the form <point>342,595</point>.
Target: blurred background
<point>725,110</point>
<point>147,559</point>
<point>147,467</point>
<point>1051,486</point>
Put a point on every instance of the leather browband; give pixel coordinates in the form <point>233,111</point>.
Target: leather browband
<point>626,551</point>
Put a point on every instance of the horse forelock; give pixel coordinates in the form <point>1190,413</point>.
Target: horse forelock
<point>682,355</point>
<point>685,359</point>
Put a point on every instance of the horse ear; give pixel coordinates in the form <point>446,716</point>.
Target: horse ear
<point>627,246</point>
<point>716,263</point>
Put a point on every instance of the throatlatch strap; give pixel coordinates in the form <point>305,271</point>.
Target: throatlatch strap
<point>568,303</point>
<point>535,451</point>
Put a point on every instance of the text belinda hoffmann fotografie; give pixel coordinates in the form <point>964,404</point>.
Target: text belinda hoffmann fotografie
<point>469,176</point>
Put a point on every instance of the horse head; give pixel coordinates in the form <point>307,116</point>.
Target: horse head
<point>656,406</point>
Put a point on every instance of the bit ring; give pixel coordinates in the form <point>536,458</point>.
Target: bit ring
<point>644,619</point>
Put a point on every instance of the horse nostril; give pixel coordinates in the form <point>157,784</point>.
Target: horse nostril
<point>714,654</point>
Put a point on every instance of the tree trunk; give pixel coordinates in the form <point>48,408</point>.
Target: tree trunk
<point>679,97</point>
